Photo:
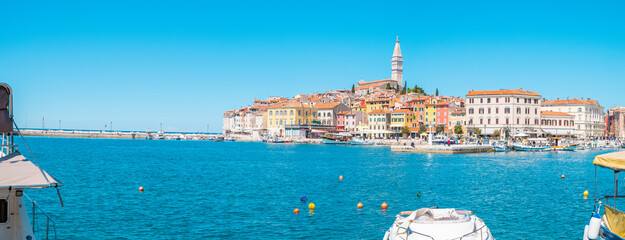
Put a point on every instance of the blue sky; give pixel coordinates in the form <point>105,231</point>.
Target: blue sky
<point>183,63</point>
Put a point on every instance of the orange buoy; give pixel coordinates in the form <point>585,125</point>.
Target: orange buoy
<point>562,176</point>
<point>384,205</point>
<point>341,178</point>
<point>296,211</point>
<point>311,206</point>
<point>141,189</point>
<point>359,205</point>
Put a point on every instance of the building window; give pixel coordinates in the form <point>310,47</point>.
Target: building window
<point>507,121</point>
<point>497,100</point>
<point>270,113</point>
<point>481,100</point>
<point>299,112</point>
<point>489,110</point>
<point>507,110</point>
<point>488,100</point>
<point>489,121</point>
<point>481,121</point>
<point>291,112</point>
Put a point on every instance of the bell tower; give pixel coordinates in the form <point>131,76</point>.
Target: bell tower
<point>396,64</point>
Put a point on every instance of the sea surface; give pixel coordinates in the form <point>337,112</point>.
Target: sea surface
<point>242,190</point>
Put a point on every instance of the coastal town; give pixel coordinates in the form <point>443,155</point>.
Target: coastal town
<point>388,109</point>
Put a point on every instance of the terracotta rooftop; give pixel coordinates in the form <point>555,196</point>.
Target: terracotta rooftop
<point>326,105</point>
<point>548,113</point>
<point>570,101</point>
<point>403,110</point>
<point>377,81</point>
<point>519,91</point>
<point>368,86</point>
<point>379,111</point>
<point>290,104</point>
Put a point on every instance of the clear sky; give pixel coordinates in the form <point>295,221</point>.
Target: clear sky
<point>184,63</point>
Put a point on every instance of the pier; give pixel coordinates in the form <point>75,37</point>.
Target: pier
<point>444,149</point>
<point>117,134</point>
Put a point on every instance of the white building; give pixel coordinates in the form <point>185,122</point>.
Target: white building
<point>327,112</point>
<point>396,76</point>
<point>557,123</point>
<point>517,110</point>
<point>379,122</point>
<point>589,115</point>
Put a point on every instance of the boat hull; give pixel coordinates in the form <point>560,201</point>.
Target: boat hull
<point>530,149</point>
<point>360,143</point>
<point>328,141</point>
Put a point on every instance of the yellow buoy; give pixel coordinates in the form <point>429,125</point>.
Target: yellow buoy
<point>141,189</point>
<point>311,206</point>
<point>296,211</point>
<point>341,178</point>
<point>384,205</point>
<point>359,205</point>
<point>586,193</point>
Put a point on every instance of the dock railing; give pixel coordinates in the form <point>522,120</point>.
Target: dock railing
<point>43,225</point>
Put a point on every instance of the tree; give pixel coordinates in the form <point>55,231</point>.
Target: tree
<point>496,133</point>
<point>477,131</point>
<point>353,89</point>
<point>403,91</point>
<point>388,86</point>
<point>418,90</point>
<point>396,90</point>
<point>421,129</point>
<point>405,131</point>
<point>440,129</point>
<point>437,92</point>
<point>368,92</point>
<point>458,129</point>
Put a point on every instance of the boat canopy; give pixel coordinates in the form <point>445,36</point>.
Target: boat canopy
<point>19,172</point>
<point>616,220</point>
<point>614,161</point>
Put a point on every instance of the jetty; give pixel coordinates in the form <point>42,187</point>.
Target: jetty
<point>444,149</point>
<point>118,134</point>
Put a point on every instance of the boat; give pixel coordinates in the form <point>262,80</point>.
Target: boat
<point>524,148</point>
<point>608,226</point>
<point>20,174</point>
<point>360,141</point>
<point>435,223</point>
<point>501,148</point>
<point>334,139</point>
<point>275,140</point>
<point>565,148</point>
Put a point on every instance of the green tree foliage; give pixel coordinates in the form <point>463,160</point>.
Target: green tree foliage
<point>440,129</point>
<point>421,129</point>
<point>496,133</point>
<point>353,88</point>
<point>437,92</point>
<point>368,92</point>
<point>405,130</point>
<point>418,90</point>
<point>458,129</point>
<point>477,131</point>
<point>388,86</point>
<point>403,90</point>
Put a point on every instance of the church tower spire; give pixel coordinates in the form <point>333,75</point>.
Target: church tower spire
<point>396,64</point>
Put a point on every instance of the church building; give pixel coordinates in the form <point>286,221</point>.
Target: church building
<point>396,75</point>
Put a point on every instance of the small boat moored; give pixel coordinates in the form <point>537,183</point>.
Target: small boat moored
<point>434,223</point>
<point>609,226</point>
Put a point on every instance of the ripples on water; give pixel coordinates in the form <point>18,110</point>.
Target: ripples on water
<point>201,189</point>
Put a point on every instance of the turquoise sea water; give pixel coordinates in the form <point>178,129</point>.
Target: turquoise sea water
<point>238,190</point>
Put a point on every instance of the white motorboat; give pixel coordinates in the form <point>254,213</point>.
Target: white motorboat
<point>434,223</point>
<point>16,175</point>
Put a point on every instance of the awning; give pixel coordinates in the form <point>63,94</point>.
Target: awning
<point>614,161</point>
<point>317,131</point>
<point>18,172</point>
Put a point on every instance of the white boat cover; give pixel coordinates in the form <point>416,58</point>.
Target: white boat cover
<point>18,172</point>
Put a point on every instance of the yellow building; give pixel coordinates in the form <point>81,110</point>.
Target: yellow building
<point>429,116</point>
<point>377,104</point>
<point>402,118</point>
<point>288,113</point>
